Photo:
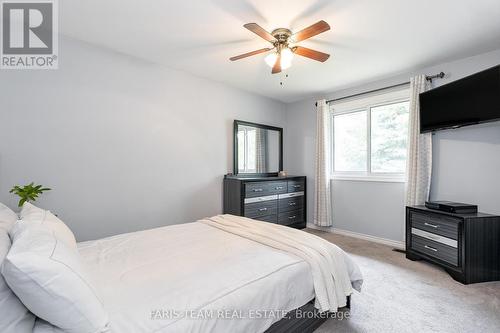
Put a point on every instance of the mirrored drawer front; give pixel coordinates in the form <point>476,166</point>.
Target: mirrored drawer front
<point>436,224</point>
<point>434,237</point>
<point>295,186</point>
<point>268,218</point>
<point>261,199</point>
<point>291,195</point>
<point>259,209</point>
<point>434,249</point>
<point>291,203</point>
<point>291,217</point>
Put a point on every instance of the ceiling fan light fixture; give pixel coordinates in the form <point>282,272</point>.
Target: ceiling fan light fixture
<point>286,58</point>
<point>270,59</point>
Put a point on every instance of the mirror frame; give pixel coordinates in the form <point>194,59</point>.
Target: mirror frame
<point>235,149</point>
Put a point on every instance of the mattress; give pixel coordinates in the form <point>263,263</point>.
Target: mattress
<point>194,278</point>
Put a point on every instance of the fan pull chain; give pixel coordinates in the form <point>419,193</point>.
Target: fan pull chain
<point>281,82</point>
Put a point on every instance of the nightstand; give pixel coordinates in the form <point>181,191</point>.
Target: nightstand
<point>467,246</point>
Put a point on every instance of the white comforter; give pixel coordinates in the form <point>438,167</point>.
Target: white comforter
<point>196,278</point>
<point>326,261</point>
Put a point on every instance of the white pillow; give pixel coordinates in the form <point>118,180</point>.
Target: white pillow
<point>48,277</point>
<point>14,317</point>
<point>41,326</point>
<point>32,214</point>
<point>7,217</point>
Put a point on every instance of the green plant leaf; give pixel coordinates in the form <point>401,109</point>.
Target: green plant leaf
<point>29,192</point>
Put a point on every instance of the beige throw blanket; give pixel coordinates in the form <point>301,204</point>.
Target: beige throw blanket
<point>327,261</point>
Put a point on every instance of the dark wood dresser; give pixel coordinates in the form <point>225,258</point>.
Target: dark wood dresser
<point>279,200</point>
<point>467,246</point>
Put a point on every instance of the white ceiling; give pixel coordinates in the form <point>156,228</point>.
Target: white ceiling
<point>369,38</point>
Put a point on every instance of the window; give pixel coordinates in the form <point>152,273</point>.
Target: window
<point>350,141</point>
<point>370,137</point>
<point>246,150</point>
<point>389,131</point>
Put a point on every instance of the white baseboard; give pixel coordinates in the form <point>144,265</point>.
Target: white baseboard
<point>380,240</point>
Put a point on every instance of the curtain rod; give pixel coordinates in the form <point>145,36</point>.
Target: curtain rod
<point>427,77</point>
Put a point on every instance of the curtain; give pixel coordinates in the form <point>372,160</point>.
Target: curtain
<point>419,161</point>
<point>261,150</point>
<point>322,200</point>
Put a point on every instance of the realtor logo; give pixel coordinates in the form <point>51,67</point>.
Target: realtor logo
<point>29,34</point>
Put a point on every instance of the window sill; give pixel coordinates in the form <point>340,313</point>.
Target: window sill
<point>383,179</point>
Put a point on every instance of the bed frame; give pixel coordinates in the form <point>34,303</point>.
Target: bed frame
<point>292,324</point>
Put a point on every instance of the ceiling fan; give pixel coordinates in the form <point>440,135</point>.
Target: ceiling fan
<point>283,52</point>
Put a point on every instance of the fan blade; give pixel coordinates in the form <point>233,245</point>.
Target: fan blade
<point>277,65</point>
<point>311,31</point>
<point>312,54</point>
<point>249,54</point>
<point>258,30</point>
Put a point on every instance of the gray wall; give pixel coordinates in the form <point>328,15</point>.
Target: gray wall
<point>125,144</point>
<point>466,162</point>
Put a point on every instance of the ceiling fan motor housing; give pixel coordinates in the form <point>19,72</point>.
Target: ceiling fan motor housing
<point>282,35</point>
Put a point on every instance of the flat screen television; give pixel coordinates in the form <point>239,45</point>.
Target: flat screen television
<point>472,100</point>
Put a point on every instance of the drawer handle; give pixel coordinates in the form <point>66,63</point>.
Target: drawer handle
<point>292,217</point>
<point>262,209</point>
<point>296,186</point>
<point>430,248</point>
<point>278,188</point>
<point>292,203</point>
<point>431,225</point>
<point>257,190</point>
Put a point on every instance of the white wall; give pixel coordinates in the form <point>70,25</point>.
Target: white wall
<point>466,161</point>
<point>125,144</point>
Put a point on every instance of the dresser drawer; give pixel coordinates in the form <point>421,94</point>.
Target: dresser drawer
<point>290,203</point>
<point>446,226</point>
<point>434,249</point>
<point>295,186</point>
<point>259,209</point>
<point>291,217</point>
<point>268,218</point>
<point>277,187</point>
<point>256,190</point>
<point>264,189</point>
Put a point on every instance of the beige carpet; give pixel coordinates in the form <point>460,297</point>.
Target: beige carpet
<point>400,295</point>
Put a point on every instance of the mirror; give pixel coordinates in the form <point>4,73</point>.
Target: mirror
<point>258,149</point>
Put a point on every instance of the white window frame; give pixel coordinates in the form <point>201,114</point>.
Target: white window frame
<point>245,145</point>
<point>359,105</point>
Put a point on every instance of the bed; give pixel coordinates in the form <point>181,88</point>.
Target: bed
<point>195,277</point>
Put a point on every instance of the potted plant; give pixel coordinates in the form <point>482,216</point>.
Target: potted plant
<point>28,193</point>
